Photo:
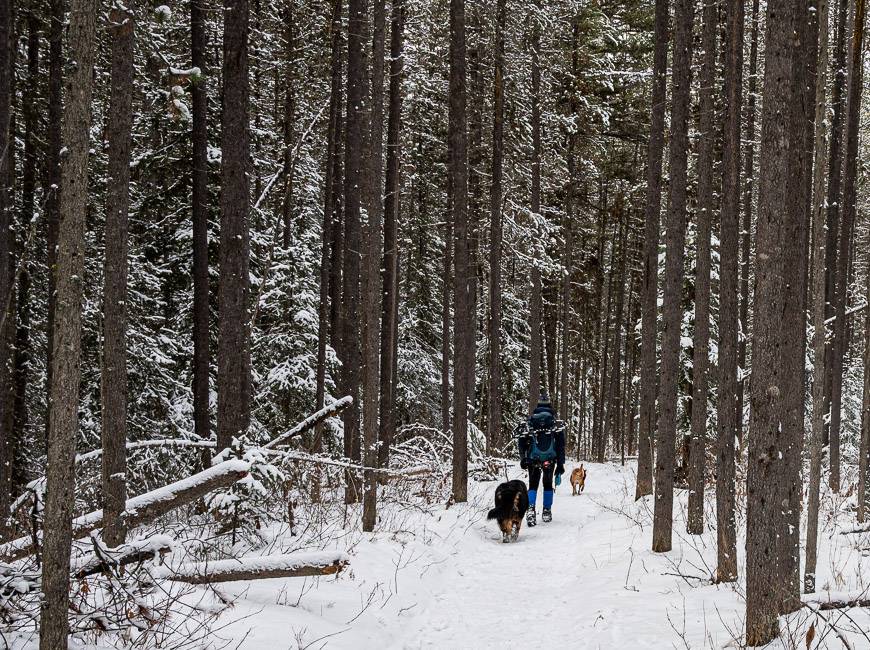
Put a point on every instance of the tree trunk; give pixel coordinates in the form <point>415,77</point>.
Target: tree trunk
<point>536,302</point>
<point>706,205</point>
<point>234,332</point>
<point>200,203</point>
<point>818,293</point>
<point>777,367</point>
<point>835,167</point>
<point>494,415</point>
<point>649,374</point>
<point>66,360</point>
<point>850,179</point>
<point>864,448</point>
<point>289,121</point>
<point>329,224</point>
<point>371,285</point>
<point>463,319</point>
<point>52,203</point>
<point>728,420</point>
<point>7,247</point>
<point>114,372</point>
<point>23,351</point>
<point>356,148</point>
<point>392,209</point>
<point>675,233</point>
<point>746,243</point>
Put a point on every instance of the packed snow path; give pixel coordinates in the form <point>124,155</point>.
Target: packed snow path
<point>444,579</point>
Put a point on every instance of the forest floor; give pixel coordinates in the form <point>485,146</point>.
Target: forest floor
<point>442,578</point>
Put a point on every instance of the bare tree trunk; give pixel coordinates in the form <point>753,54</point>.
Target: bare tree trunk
<point>463,321</point>
<point>23,351</point>
<point>746,243</point>
<point>494,415</point>
<point>850,177</point>
<point>7,247</point>
<point>818,293</point>
<point>234,332</point>
<point>864,448</point>
<point>835,167</point>
<point>701,340</point>
<point>392,210</point>
<point>649,375</point>
<point>200,203</point>
<point>114,372</point>
<point>675,233</point>
<point>289,121</point>
<point>371,285</point>
<point>356,151</point>
<point>777,367</point>
<point>728,420</point>
<point>329,223</point>
<point>52,203</point>
<point>66,360</point>
<point>536,302</point>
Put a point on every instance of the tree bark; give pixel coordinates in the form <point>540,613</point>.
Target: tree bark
<point>289,121</point>
<point>652,212</point>
<point>392,210</point>
<point>7,248</point>
<point>234,331</point>
<point>329,223</point>
<point>746,235</point>
<point>200,203</point>
<point>463,318</point>
<point>728,420</point>
<point>23,351</point>
<point>494,414</point>
<point>371,285</point>
<point>850,178</point>
<point>818,306</point>
<point>114,371</point>
<point>52,203</point>
<point>356,148</point>
<point>835,169</point>
<point>536,302</point>
<point>706,206</point>
<point>675,233</point>
<point>66,339</point>
<point>777,368</point>
<point>864,447</point>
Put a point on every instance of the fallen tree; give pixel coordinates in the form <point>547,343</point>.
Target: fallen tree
<point>311,421</point>
<point>294,565</point>
<point>104,559</point>
<point>836,600</point>
<point>144,508</point>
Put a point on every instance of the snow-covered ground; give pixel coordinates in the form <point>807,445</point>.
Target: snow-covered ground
<point>441,578</point>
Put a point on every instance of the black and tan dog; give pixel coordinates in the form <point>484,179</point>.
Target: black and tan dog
<point>511,503</point>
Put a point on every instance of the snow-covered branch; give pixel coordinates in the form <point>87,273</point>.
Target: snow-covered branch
<point>294,565</point>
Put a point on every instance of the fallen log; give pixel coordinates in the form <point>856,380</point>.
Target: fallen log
<point>837,600</point>
<point>103,560</point>
<point>145,508</point>
<point>311,421</point>
<point>294,565</point>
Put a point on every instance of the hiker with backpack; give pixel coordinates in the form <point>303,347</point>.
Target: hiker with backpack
<point>542,453</point>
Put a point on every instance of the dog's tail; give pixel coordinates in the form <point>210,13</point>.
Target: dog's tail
<point>493,514</point>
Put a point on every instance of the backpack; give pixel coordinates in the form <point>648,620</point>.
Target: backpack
<point>541,437</point>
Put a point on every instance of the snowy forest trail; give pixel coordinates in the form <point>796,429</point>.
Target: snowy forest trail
<point>585,580</point>
<point>444,579</point>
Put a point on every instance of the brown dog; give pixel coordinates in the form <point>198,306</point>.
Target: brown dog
<point>578,480</point>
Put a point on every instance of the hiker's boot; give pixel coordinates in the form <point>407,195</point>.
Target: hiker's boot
<point>547,516</point>
<point>531,520</point>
